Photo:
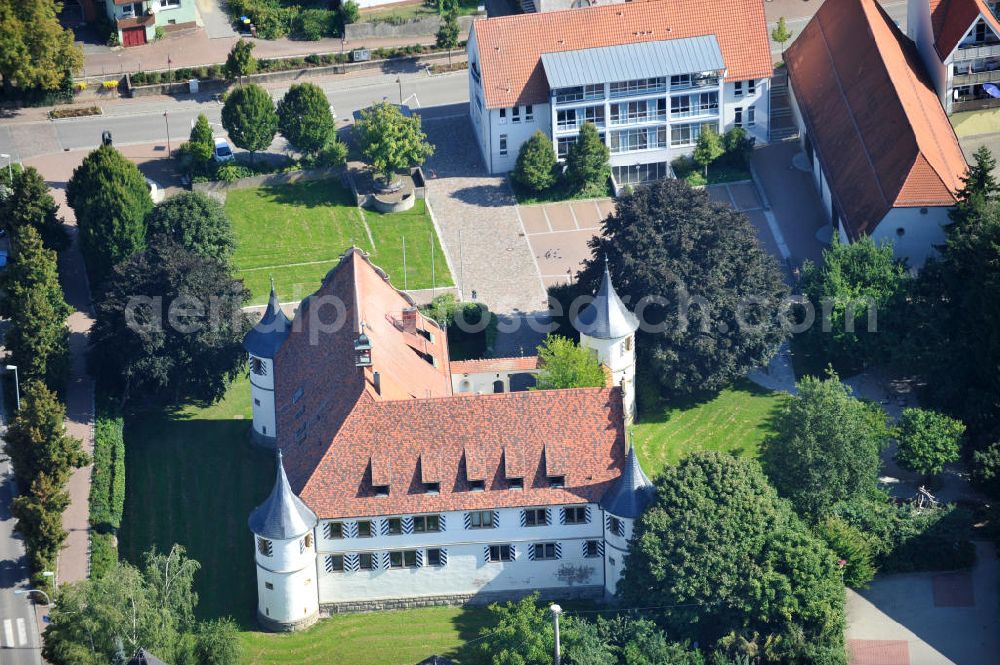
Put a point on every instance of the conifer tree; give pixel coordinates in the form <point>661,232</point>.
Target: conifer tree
<point>587,160</point>
<point>30,204</point>
<point>536,163</point>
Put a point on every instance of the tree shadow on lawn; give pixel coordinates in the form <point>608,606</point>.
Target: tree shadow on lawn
<point>194,482</point>
<point>310,194</point>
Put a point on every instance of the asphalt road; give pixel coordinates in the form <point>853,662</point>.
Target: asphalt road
<point>140,121</point>
<point>19,639</point>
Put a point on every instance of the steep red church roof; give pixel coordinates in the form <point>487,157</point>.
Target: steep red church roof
<point>872,115</point>
<point>348,433</point>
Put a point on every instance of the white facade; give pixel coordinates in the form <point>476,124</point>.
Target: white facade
<point>645,124</point>
<point>287,584</point>
<point>262,394</point>
<point>958,77</point>
<point>485,383</point>
<point>618,355</point>
<point>456,560</point>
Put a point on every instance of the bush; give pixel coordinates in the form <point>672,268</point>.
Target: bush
<point>139,78</point>
<point>103,553</point>
<point>986,469</point>
<point>472,328</point>
<point>183,74</point>
<point>853,549</point>
<point>109,85</point>
<point>153,78</point>
<point>313,59</point>
<point>927,440</point>
<point>107,488</point>
<point>230,172</point>
<point>215,72</point>
<point>314,24</point>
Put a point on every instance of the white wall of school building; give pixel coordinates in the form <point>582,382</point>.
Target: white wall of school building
<point>466,570</point>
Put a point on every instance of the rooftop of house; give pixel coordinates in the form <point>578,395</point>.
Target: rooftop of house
<point>951,20</point>
<point>872,115</point>
<point>283,515</point>
<point>510,47</point>
<point>390,438</point>
<point>266,337</point>
<point>606,317</point>
<point>492,365</point>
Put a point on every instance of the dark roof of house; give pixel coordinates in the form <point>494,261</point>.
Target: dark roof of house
<point>283,515</point>
<point>345,436</point>
<point>143,658</point>
<point>510,47</point>
<point>951,19</point>
<point>633,491</point>
<point>606,317</point>
<point>269,334</point>
<point>872,115</point>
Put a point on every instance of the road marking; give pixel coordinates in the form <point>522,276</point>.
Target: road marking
<point>8,631</point>
<point>22,633</point>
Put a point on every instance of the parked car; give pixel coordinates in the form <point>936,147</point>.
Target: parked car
<point>223,151</point>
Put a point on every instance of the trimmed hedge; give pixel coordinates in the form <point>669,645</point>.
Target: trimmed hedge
<point>107,492</point>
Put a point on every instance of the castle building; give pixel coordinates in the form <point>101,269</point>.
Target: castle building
<point>404,478</point>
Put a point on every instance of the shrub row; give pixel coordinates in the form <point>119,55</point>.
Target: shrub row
<point>107,492</point>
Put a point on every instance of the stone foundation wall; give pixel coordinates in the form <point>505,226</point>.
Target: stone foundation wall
<point>421,27</point>
<point>269,624</point>
<point>482,598</point>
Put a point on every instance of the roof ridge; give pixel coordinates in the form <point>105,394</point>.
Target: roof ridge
<point>466,396</point>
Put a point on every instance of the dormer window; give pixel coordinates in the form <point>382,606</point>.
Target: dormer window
<point>258,366</point>
<point>362,351</point>
<point>381,490</point>
<point>515,483</point>
<point>477,485</point>
<point>432,488</point>
<point>557,481</point>
<point>265,547</point>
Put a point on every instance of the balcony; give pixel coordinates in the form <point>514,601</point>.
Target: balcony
<point>971,104</point>
<point>696,112</point>
<point>976,78</point>
<point>637,119</point>
<point>975,52</point>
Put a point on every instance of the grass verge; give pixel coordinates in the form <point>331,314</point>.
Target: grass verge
<point>401,13</point>
<point>559,192</point>
<point>736,420</point>
<point>297,232</point>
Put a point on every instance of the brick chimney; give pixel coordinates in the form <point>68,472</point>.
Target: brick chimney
<point>410,320</point>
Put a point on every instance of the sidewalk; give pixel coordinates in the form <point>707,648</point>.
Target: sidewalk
<point>194,49</point>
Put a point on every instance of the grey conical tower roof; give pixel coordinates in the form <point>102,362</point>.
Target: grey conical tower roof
<point>283,515</point>
<point>267,336</point>
<point>632,492</point>
<point>606,317</point>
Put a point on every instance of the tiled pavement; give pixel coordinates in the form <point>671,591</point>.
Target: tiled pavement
<point>476,215</point>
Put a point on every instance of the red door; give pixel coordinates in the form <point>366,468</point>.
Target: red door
<point>133,37</point>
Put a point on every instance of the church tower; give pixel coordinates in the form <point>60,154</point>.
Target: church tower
<point>622,505</point>
<point>608,327</point>
<point>285,552</point>
<point>262,344</point>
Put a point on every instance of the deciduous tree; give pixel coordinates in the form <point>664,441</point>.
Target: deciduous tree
<point>36,52</point>
<point>536,163</point>
<point>927,440</point>
<point>304,118</point>
<point>708,148</point>
<point>197,222</point>
<point>712,296</point>
<point>448,33</point>
<point>390,140</point>
<point>170,326</point>
<point>781,33</point>
<point>249,117</point>
<point>565,364</point>
<point>733,567</point>
<point>826,446</point>
<point>240,61</point>
<point>111,199</point>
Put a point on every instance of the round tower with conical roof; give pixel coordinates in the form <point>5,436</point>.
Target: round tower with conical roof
<point>285,552</point>
<point>622,505</point>
<point>608,327</point>
<point>262,344</point>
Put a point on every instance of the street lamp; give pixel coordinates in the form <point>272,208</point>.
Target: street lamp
<point>10,166</point>
<point>399,81</point>
<point>17,385</point>
<point>21,592</point>
<point>556,611</point>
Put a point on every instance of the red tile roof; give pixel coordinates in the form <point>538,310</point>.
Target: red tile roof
<point>872,115</point>
<point>510,47</point>
<point>493,365</point>
<point>951,19</point>
<point>341,436</point>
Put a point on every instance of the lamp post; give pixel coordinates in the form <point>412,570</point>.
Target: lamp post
<point>399,82</point>
<point>556,611</point>
<point>17,385</point>
<point>21,592</point>
<point>10,167</point>
<point>166,121</point>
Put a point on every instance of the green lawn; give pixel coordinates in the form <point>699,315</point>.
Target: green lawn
<point>193,478</point>
<point>401,637</point>
<point>722,171</point>
<point>413,10</point>
<point>297,232</point>
<point>736,420</point>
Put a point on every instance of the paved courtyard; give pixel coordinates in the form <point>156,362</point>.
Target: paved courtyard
<point>928,618</point>
<point>559,233</point>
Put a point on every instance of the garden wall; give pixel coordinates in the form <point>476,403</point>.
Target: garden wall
<point>419,27</point>
<point>287,75</point>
